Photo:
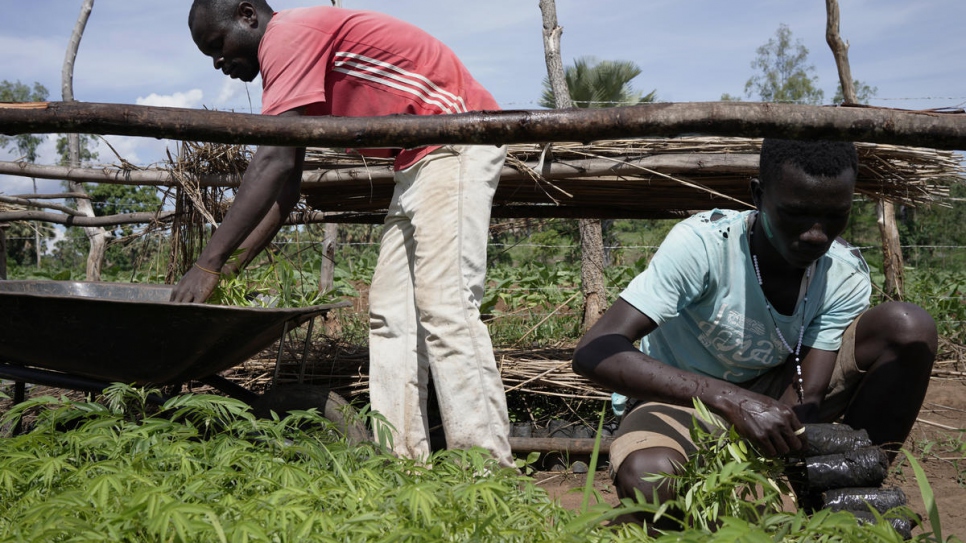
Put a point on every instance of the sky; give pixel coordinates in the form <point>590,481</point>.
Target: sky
<point>136,52</point>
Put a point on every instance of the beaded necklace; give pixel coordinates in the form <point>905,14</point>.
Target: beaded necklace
<point>799,382</point>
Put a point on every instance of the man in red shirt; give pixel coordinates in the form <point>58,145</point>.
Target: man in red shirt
<point>426,292</point>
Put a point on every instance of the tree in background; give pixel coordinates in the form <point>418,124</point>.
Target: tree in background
<point>87,153</point>
<point>599,83</point>
<point>108,199</point>
<point>863,93</point>
<point>123,250</point>
<point>26,144</point>
<point>784,74</point>
<point>25,238</point>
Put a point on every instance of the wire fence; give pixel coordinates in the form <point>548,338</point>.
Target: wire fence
<point>941,258</point>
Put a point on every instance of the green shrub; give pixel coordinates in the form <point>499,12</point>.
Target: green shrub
<point>202,468</point>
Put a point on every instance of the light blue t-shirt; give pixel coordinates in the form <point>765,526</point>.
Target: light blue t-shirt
<point>700,288</point>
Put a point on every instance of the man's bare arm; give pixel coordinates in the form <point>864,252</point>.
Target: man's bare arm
<point>606,355</point>
<point>269,190</point>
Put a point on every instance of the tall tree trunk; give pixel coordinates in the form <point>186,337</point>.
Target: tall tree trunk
<point>591,234</point>
<point>892,264</point>
<point>885,210</point>
<point>95,235</point>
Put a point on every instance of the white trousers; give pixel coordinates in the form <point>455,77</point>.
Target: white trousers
<point>424,306</point>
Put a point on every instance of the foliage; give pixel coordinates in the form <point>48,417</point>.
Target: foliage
<point>941,293</point>
<point>929,500</point>
<point>22,237</point>
<point>730,490</point>
<point>533,303</point>
<point>25,239</point>
<point>117,199</point>
<point>203,469</point>
<point>26,144</point>
<point>727,477</point>
<point>87,154</point>
<point>279,284</point>
<point>863,93</point>
<point>783,72</point>
<point>932,234</point>
<point>597,83</point>
<point>950,448</point>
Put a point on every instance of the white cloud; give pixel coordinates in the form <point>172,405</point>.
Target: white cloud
<point>190,99</point>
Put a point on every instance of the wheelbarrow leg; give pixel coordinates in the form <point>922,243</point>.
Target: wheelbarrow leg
<point>305,350</point>
<point>230,388</point>
<point>19,395</point>
<point>278,355</point>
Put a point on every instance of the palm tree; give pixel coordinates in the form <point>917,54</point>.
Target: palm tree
<point>596,84</point>
<point>599,83</point>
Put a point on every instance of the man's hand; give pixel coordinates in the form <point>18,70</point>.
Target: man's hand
<point>771,425</point>
<point>195,287</point>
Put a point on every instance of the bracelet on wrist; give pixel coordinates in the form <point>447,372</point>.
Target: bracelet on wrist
<point>206,270</point>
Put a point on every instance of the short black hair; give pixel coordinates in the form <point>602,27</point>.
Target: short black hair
<point>222,11</point>
<point>819,158</point>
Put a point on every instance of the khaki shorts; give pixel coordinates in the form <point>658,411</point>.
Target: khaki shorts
<point>654,424</point>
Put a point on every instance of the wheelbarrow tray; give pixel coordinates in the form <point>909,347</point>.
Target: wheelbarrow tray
<point>131,333</point>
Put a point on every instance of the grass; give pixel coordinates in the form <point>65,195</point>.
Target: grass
<point>948,448</point>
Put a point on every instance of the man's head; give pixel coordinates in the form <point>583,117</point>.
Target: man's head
<point>229,31</point>
<point>804,195</point>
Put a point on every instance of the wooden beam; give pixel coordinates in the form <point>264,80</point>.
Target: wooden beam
<point>691,163</point>
<point>83,220</point>
<point>878,125</point>
<point>559,444</point>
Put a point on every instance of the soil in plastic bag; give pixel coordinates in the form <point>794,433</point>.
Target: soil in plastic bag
<point>825,439</point>
<point>861,468</point>
<point>861,499</point>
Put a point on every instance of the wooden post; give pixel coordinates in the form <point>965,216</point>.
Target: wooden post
<point>97,236</point>
<point>591,232</point>
<point>885,210</point>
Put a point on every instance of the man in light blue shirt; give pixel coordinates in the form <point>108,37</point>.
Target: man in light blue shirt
<point>763,316</point>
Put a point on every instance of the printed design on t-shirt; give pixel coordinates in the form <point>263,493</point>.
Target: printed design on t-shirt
<point>740,342</point>
<point>390,75</point>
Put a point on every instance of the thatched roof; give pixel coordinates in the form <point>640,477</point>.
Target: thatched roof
<point>636,178</point>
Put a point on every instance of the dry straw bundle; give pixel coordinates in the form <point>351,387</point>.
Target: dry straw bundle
<point>198,206</point>
<point>345,369</point>
<point>632,178</point>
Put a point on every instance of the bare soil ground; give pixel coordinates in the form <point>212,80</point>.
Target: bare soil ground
<point>933,440</point>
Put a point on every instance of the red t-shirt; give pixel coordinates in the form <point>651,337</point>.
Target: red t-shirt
<point>352,63</point>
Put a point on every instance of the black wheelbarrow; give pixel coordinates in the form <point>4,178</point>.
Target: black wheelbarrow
<point>86,335</point>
